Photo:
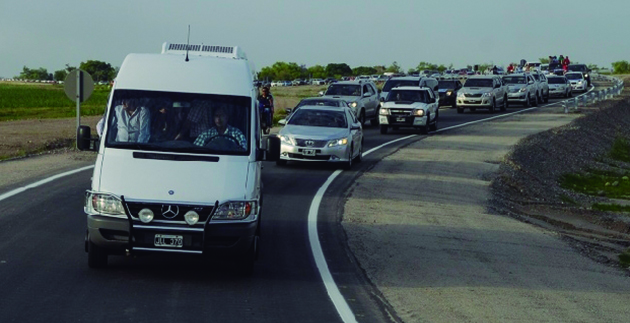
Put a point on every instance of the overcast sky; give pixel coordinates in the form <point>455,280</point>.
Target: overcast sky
<point>50,34</point>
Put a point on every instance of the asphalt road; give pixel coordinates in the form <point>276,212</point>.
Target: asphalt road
<point>44,274</point>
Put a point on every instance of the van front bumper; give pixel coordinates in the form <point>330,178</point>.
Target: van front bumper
<point>219,238</point>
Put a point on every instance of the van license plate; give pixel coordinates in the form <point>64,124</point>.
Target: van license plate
<point>308,152</point>
<point>167,240</point>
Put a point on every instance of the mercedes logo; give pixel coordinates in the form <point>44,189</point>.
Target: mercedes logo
<point>309,142</point>
<point>170,211</point>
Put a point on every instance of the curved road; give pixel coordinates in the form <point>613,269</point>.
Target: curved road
<point>44,274</point>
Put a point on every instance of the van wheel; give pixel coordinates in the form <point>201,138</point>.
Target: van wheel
<point>281,162</point>
<point>384,130</point>
<point>97,257</point>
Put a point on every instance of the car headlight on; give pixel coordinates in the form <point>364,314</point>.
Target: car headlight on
<point>103,203</point>
<point>487,94</point>
<point>418,112</point>
<point>449,93</point>
<point>585,75</point>
<point>353,104</point>
<point>235,210</point>
<point>523,89</point>
<point>384,112</point>
<point>286,139</point>
<point>338,142</point>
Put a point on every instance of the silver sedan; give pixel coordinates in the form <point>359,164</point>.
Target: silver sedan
<point>324,134</point>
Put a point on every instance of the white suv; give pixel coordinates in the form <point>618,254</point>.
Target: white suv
<point>482,92</point>
<point>362,97</point>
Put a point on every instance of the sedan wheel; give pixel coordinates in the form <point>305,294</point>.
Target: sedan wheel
<point>348,164</point>
<point>359,157</point>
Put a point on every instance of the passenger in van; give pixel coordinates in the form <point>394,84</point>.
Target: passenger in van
<point>166,122</point>
<point>132,122</point>
<point>197,121</point>
<point>222,128</point>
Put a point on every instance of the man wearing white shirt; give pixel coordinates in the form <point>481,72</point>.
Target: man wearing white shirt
<point>132,122</point>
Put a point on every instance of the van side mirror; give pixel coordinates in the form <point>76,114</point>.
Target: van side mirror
<point>84,139</point>
<point>273,148</point>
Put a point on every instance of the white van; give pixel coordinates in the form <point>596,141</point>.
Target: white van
<point>179,162</point>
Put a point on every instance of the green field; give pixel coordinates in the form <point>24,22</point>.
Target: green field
<point>20,101</point>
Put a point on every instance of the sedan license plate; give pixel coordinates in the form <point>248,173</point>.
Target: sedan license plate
<point>167,240</point>
<point>308,152</point>
<point>400,119</point>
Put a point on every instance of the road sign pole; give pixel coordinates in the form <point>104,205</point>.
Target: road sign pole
<point>79,90</point>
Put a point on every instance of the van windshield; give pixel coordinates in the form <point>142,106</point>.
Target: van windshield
<point>179,122</point>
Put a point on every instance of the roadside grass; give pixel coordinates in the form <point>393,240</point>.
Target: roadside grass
<point>611,207</point>
<point>624,258</point>
<point>620,150</point>
<point>45,101</point>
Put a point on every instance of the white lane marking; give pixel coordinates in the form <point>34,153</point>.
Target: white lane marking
<point>42,182</point>
<point>313,237</point>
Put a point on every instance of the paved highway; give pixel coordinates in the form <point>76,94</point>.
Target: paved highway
<point>44,274</point>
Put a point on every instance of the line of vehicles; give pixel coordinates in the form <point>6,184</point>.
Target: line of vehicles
<point>180,151</point>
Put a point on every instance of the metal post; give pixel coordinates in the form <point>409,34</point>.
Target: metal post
<point>79,97</point>
<point>565,106</point>
<point>575,103</point>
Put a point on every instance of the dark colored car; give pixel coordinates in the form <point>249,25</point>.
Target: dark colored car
<point>330,80</point>
<point>582,68</point>
<point>447,90</point>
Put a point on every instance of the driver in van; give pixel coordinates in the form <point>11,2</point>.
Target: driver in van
<point>132,122</point>
<point>222,129</point>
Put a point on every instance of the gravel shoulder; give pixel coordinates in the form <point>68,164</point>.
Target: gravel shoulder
<point>436,231</point>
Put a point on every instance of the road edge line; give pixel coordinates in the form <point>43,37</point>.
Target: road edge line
<point>42,182</point>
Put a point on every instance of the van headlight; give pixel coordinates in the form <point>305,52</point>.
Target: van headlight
<point>338,142</point>
<point>236,210</point>
<point>103,203</point>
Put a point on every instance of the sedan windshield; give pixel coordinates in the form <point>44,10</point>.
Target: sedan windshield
<point>573,76</point>
<point>179,122</point>
<point>556,80</point>
<point>320,102</point>
<point>514,79</point>
<point>478,83</point>
<point>319,118</point>
<point>344,90</point>
<point>396,83</point>
<point>408,96</point>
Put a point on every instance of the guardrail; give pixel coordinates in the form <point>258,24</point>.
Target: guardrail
<point>595,96</point>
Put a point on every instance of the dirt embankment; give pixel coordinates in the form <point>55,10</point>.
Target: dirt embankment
<point>527,185</point>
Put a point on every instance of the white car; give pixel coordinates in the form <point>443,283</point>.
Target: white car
<point>522,89</point>
<point>559,86</point>
<point>409,106</point>
<point>321,134</point>
<point>578,81</point>
<point>318,82</point>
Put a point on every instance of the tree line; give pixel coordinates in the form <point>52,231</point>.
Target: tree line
<point>100,71</point>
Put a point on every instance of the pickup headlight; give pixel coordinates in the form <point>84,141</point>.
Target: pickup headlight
<point>449,93</point>
<point>460,95</point>
<point>384,112</point>
<point>236,210</point>
<point>338,142</point>
<point>353,104</point>
<point>418,112</point>
<point>487,94</point>
<point>104,203</point>
<point>286,139</point>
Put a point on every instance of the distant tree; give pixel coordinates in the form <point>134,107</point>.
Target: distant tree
<point>394,68</point>
<point>380,69</point>
<point>363,70</point>
<point>34,74</point>
<point>621,67</point>
<point>544,60</point>
<point>339,69</point>
<point>70,68</point>
<point>100,71</point>
<point>317,71</point>
<point>442,68</point>
<point>411,71</point>
<point>426,66</point>
<point>60,75</point>
<point>593,67</point>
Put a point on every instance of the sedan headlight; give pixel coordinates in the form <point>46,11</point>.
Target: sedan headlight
<point>487,94</point>
<point>418,112</point>
<point>235,210</point>
<point>338,142</point>
<point>384,112</point>
<point>353,104</point>
<point>286,139</point>
<point>103,203</point>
